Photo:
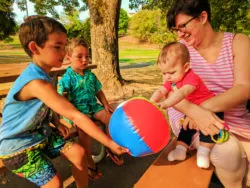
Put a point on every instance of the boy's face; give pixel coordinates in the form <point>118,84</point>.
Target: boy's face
<point>173,70</point>
<point>53,52</point>
<point>79,58</point>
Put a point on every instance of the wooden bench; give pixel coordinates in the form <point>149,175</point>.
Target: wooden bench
<point>163,173</point>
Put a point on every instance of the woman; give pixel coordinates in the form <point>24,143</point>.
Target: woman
<point>222,60</point>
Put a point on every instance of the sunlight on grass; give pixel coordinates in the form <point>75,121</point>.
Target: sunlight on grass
<point>138,55</point>
<point>130,52</point>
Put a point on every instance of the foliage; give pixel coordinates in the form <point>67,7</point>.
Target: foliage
<point>76,27</point>
<point>7,22</point>
<point>43,7</point>
<point>123,22</point>
<point>81,29</point>
<point>150,25</point>
<point>227,15</point>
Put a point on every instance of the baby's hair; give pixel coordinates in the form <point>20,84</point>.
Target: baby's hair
<point>73,43</point>
<point>179,49</point>
<point>37,28</point>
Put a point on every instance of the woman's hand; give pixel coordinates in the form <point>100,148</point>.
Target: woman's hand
<point>204,120</point>
<point>207,122</point>
<point>189,123</point>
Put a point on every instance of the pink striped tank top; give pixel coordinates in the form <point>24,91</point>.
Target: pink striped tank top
<point>218,78</point>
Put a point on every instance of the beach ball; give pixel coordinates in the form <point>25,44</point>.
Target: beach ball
<point>140,126</point>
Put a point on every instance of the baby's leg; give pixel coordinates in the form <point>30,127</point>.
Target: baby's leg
<point>229,160</point>
<point>183,142</point>
<point>179,153</point>
<point>203,154</point>
<point>203,151</point>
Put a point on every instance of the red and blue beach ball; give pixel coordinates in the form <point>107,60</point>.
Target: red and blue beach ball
<point>140,126</point>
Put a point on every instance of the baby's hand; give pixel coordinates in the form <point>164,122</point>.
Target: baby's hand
<point>162,105</point>
<point>117,149</point>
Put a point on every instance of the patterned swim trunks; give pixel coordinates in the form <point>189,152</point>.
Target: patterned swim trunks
<point>34,164</point>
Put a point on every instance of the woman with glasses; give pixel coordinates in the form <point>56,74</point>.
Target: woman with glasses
<point>222,60</point>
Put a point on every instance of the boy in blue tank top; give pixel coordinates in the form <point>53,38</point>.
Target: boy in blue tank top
<point>26,139</point>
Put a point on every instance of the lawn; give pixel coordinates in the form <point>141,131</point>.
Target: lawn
<point>131,51</point>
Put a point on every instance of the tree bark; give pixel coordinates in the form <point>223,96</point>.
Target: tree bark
<point>104,18</point>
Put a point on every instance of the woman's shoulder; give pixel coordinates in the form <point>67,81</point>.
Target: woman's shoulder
<point>241,42</point>
<point>240,37</point>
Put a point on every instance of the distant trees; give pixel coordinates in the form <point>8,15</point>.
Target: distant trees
<point>7,22</point>
<point>150,25</point>
<point>123,22</point>
<point>227,15</point>
<point>77,27</point>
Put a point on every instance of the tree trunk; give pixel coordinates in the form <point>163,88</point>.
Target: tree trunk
<point>104,18</point>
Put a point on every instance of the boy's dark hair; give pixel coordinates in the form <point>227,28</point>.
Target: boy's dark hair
<point>180,50</point>
<point>189,7</point>
<point>37,28</point>
<point>74,42</point>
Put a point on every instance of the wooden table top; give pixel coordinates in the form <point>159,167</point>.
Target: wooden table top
<point>9,72</point>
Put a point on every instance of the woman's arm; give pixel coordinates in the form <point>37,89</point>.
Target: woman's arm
<point>206,121</point>
<point>240,92</point>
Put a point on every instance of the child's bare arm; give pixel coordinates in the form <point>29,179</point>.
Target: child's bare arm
<point>176,96</point>
<point>46,92</point>
<point>159,94</point>
<point>64,131</point>
<point>102,98</point>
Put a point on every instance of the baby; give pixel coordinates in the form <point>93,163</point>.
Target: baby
<point>180,82</point>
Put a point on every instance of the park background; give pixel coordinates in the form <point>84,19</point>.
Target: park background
<point>138,34</point>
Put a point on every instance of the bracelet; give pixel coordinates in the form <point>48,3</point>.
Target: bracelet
<point>223,137</point>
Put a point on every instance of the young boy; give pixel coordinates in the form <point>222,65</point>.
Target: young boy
<point>26,139</point>
<point>82,87</point>
<point>180,82</point>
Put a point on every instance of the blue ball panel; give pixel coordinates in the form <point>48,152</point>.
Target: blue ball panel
<point>122,132</point>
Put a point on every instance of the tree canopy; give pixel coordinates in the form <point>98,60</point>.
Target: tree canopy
<point>227,15</point>
<point>7,22</point>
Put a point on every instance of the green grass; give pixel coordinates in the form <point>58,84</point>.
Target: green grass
<point>141,55</point>
<point>129,53</point>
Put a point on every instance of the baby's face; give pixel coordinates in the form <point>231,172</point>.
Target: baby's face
<point>173,70</point>
<point>79,58</point>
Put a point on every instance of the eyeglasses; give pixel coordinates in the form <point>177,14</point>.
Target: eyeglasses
<point>182,27</point>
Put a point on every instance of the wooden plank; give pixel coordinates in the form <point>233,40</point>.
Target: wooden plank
<point>9,72</point>
<point>68,181</point>
<point>163,173</point>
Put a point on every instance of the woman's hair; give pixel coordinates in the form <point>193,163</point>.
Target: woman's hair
<point>188,7</point>
<point>74,42</point>
<point>37,28</point>
<point>179,49</point>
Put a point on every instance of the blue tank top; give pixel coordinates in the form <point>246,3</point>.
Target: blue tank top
<point>24,123</point>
